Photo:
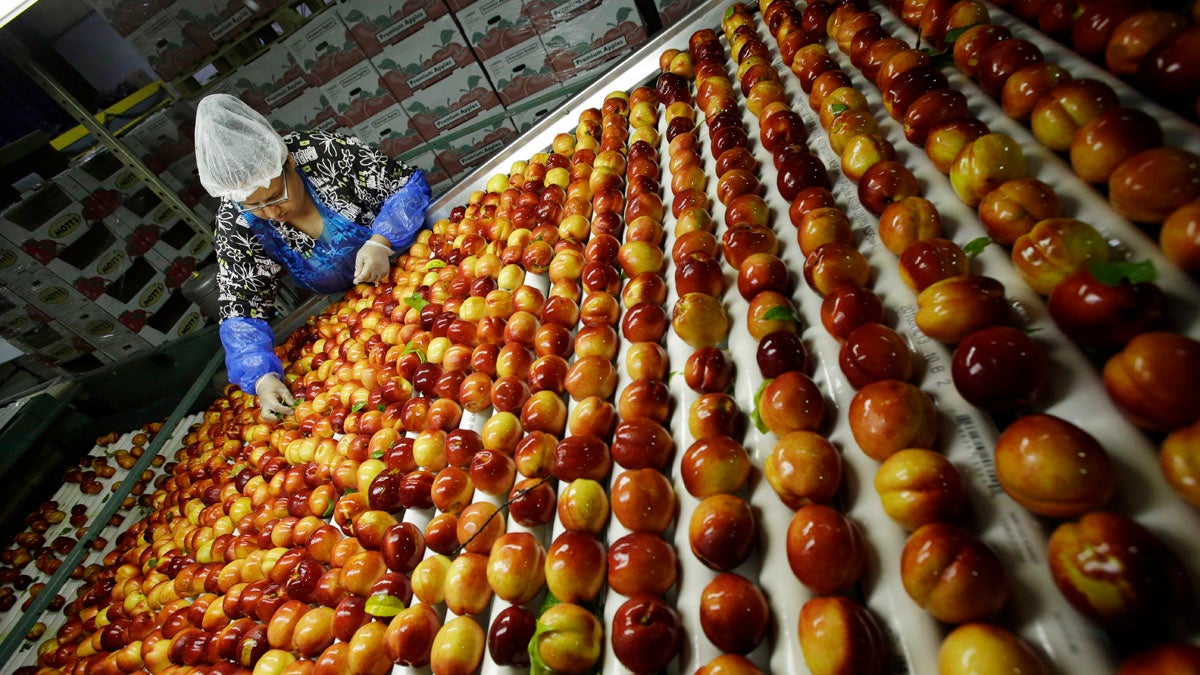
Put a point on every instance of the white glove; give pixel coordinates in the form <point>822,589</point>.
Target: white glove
<point>372,263</point>
<point>273,395</point>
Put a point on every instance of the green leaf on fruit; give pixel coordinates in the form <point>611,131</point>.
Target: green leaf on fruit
<point>410,348</point>
<point>378,454</point>
<point>754,416</point>
<point>953,35</point>
<point>838,108</point>
<point>781,313</point>
<point>549,601</point>
<point>976,246</point>
<point>153,562</point>
<point>357,406</point>
<point>380,407</point>
<point>416,301</point>
<point>348,491</point>
<point>1115,273</point>
<point>384,605</point>
<point>328,511</point>
<point>536,665</point>
<point>434,265</point>
<point>939,57</point>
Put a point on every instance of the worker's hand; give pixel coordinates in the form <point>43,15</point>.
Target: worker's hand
<point>273,396</point>
<point>372,263</point>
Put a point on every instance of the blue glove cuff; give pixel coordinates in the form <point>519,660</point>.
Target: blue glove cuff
<point>249,351</point>
<point>403,214</point>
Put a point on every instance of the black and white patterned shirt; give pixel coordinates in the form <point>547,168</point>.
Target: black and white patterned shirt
<point>349,177</point>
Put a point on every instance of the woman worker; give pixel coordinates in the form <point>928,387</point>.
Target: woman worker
<point>325,207</point>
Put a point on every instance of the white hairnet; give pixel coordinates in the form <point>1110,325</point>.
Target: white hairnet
<point>237,150</point>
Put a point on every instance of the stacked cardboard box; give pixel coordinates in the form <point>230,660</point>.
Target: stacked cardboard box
<point>357,94</point>
<point>95,256</point>
<point>270,80</point>
<point>461,153</point>
<point>49,314</point>
<point>160,141</point>
<point>431,71</point>
<point>176,37</point>
<point>167,49</point>
<point>310,110</point>
<point>504,36</point>
<point>376,24</point>
<point>324,48</point>
<point>590,42</point>
<point>437,176</point>
<point>389,131</point>
<point>671,11</point>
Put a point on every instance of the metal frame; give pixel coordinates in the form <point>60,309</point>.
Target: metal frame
<point>626,75</point>
<point>15,50</point>
<point>12,642</point>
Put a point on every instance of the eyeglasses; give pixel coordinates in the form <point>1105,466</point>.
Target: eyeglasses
<point>248,208</point>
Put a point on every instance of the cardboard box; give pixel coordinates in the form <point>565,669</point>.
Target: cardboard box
<point>58,298</point>
<point>308,111</point>
<point>530,115</point>
<point>185,171</point>
<point>46,217</point>
<point>103,170</point>
<point>548,14</point>
<point>136,295</point>
<point>210,23</point>
<point>183,114</point>
<point>461,153</point>
<point>140,222</point>
<point>112,192</point>
<point>375,24</point>
<point>671,11</point>
<point>389,132</point>
<point>110,340</point>
<point>521,72</point>
<point>183,240</point>
<point>493,26</point>
<point>22,273</point>
<point>160,140</point>
<point>358,94</point>
<point>17,268</point>
<point>269,81</point>
<point>21,318</point>
<point>464,96</point>
<point>426,161</point>
<point>125,16</point>
<point>92,261</point>
<point>177,251</point>
<point>53,341</point>
<point>176,318</point>
<point>424,59</point>
<point>587,45</point>
<point>175,268</point>
<point>50,298</point>
<point>323,48</point>
<point>168,51</point>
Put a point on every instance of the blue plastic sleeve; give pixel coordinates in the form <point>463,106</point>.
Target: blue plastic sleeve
<point>403,214</point>
<point>249,351</point>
